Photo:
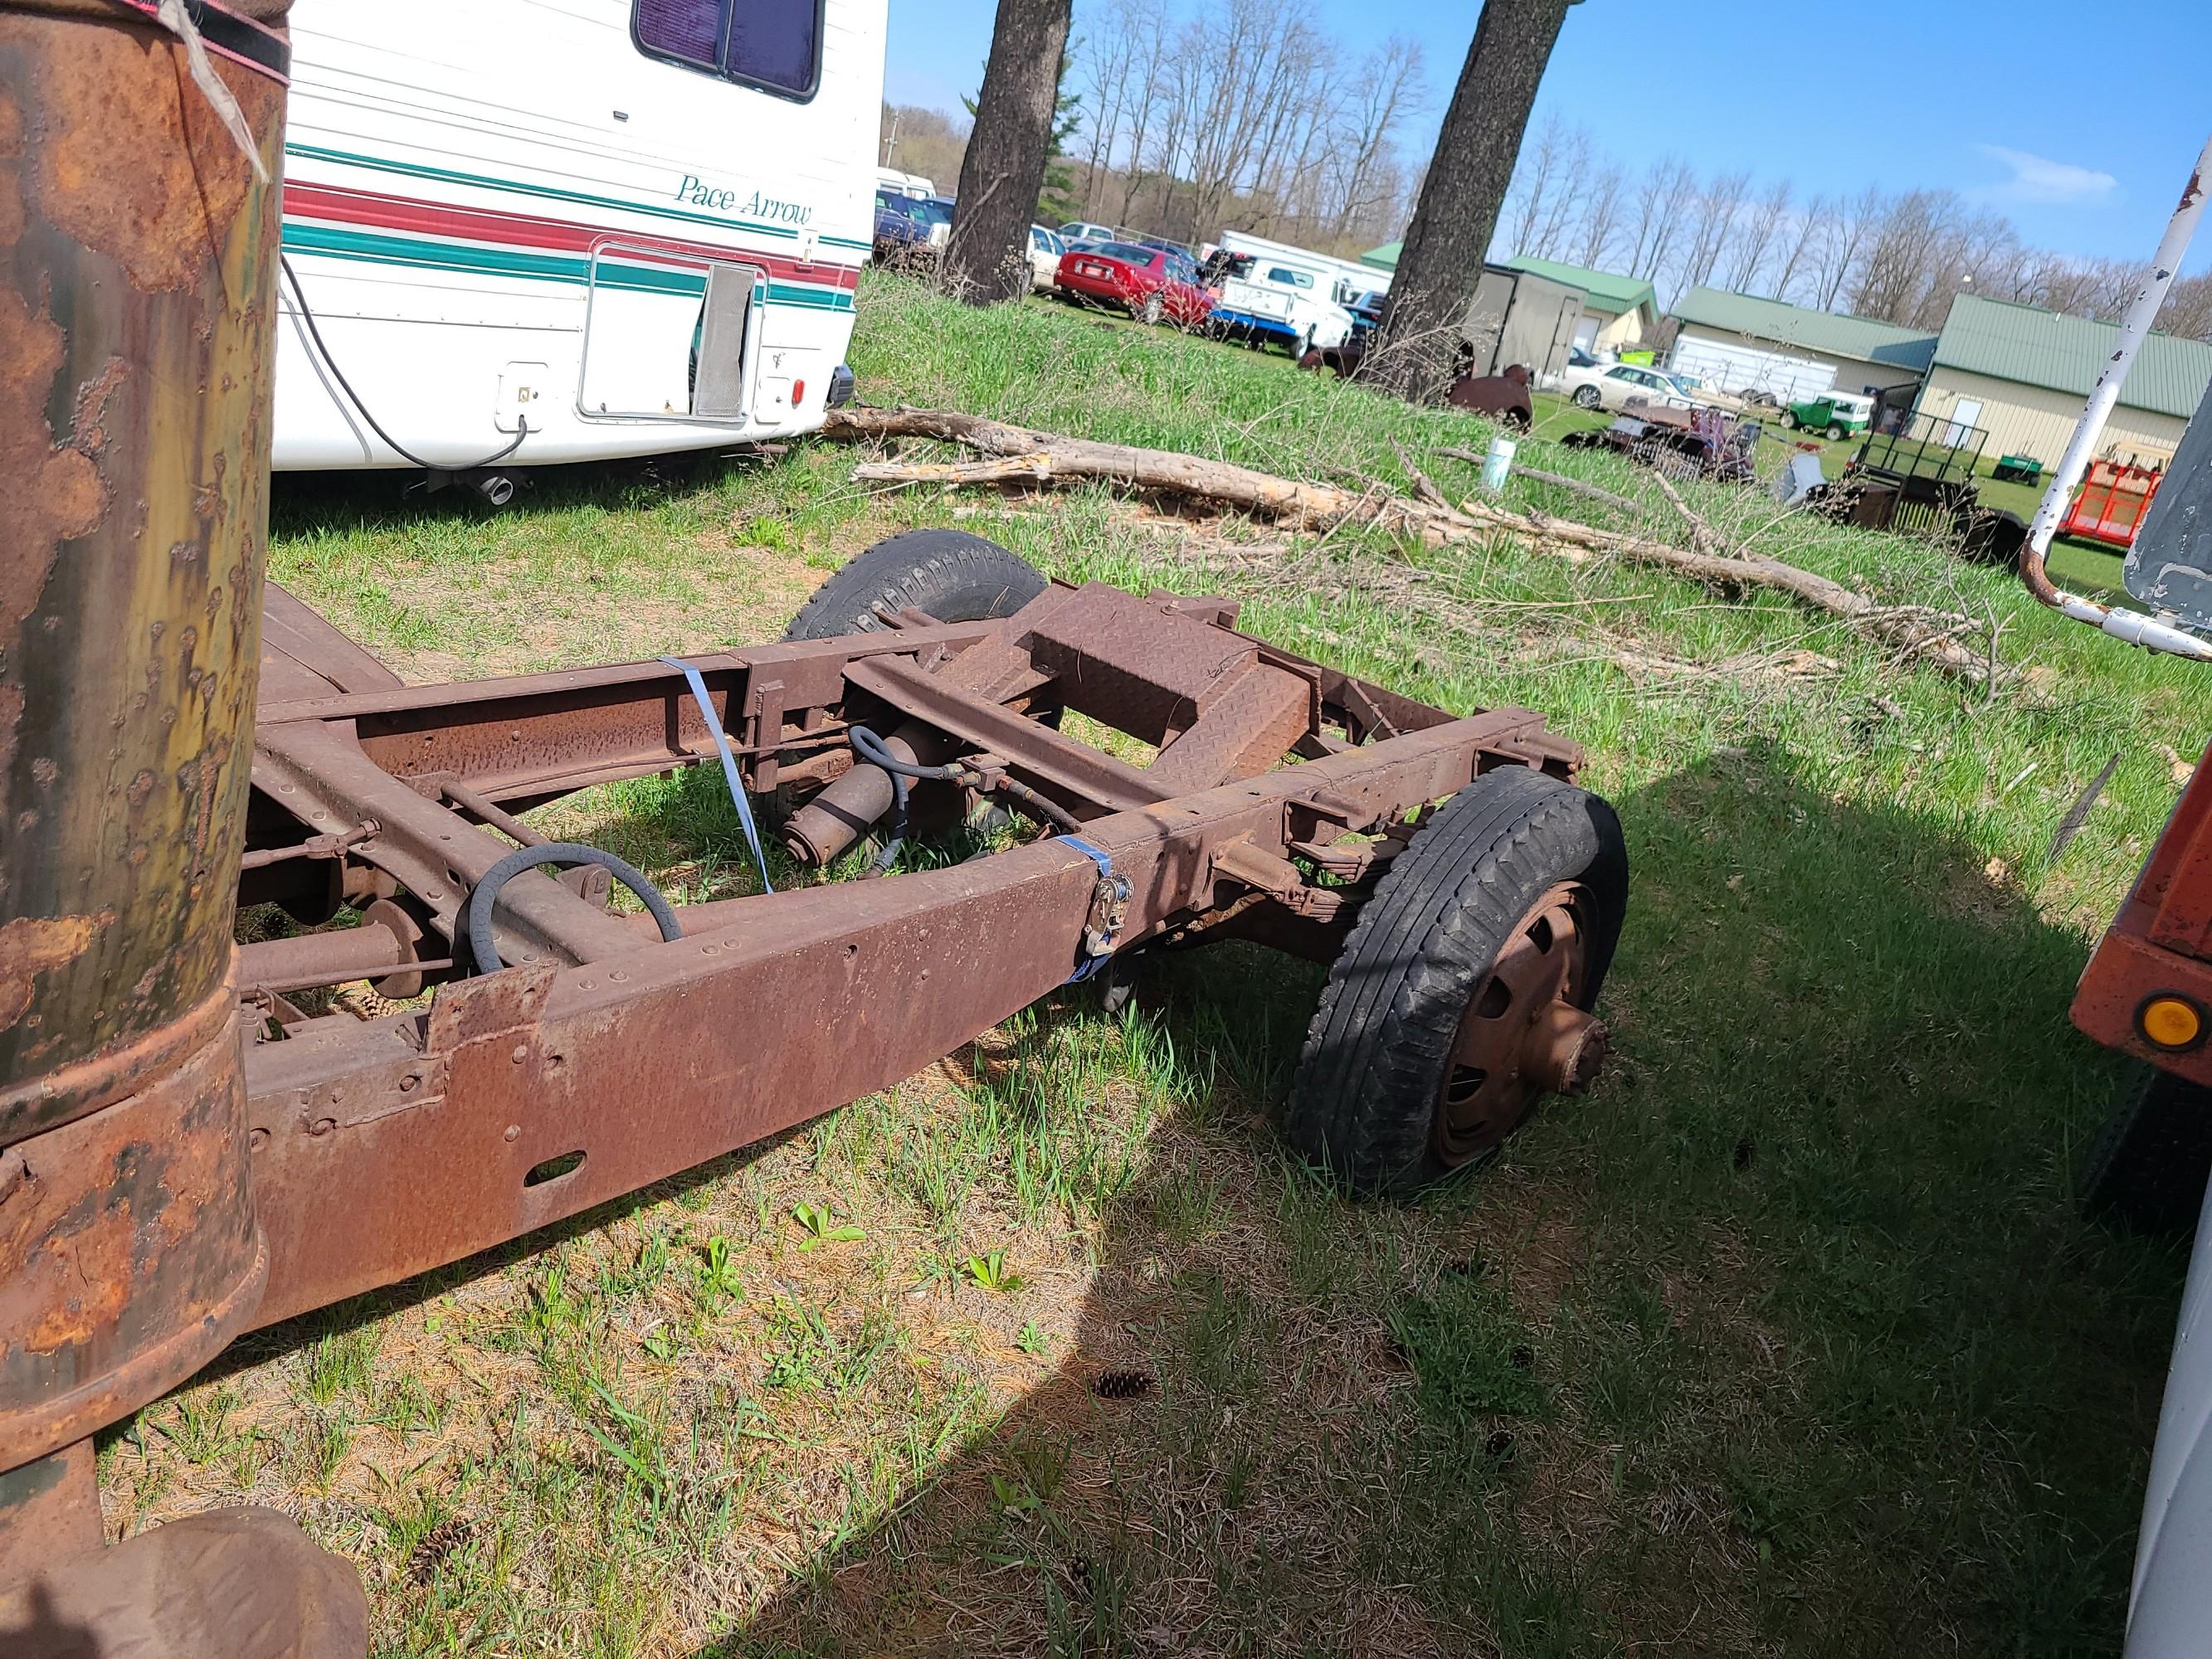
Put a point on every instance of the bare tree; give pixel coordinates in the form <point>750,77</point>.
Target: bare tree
<point>1389,89</point>
<point>1151,70</point>
<point>1603,205</point>
<point>924,141</point>
<point>1797,244</point>
<point>1662,197</point>
<point>1109,62</point>
<point>1712,225</point>
<point>987,257</point>
<point>2188,308</point>
<point>1850,223</point>
<point>1757,229</point>
<point>1904,251</point>
<point>1553,229</point>
<point>1467,176</point>
<point>1539,179</point>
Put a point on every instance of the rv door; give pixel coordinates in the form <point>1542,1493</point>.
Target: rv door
<point>668,337</point>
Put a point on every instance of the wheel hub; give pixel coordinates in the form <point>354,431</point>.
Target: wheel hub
<point>1524,1034</point>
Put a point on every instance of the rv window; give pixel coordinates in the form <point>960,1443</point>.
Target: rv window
<point>690,29</point>
<point>773,45</point>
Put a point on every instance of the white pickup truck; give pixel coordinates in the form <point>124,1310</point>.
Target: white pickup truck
<point>1264,298</point>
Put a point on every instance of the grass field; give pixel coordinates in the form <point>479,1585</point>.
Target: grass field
<point>2085,568</point>
<point>1785,1339</point>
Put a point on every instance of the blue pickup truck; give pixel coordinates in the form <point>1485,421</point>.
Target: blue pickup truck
<point>910,224</point>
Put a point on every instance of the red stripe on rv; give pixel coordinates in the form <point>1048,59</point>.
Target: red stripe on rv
<point>363,207</point>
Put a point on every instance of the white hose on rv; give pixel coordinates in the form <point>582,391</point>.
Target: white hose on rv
<point>2128,625</point>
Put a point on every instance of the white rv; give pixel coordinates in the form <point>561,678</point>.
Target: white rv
<point>534,231</point>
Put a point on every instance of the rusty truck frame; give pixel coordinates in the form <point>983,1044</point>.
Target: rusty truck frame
<point>192,1146</point>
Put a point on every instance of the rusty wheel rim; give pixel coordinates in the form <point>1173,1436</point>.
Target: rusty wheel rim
<point>1522,1035</point>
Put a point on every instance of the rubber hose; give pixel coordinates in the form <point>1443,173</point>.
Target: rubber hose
<point>484,897</point>
<point>872,749</point>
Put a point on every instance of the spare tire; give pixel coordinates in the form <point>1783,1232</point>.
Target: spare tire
<point>951,574</point>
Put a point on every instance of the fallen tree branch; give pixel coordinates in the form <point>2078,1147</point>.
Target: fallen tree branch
<point>1021,454</point>
<point>1701,533</point>
<point>1905,628</point>
<point>1561,481</point>
<point>1299,506</point>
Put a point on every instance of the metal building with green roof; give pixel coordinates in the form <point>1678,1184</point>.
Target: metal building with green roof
<point>1617,312</point>
<point>1787,344</point>
<point>2022,374</point>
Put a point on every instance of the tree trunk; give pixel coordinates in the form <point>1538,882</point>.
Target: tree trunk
<point>987,259</point>
<point>1442,260</point>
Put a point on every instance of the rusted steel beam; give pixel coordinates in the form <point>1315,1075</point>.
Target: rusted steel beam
<point>532,736</point>
<point>1083,780</point>
<point>495,817</point>
<point>319,772</point>
<point>646,1064</point>
<point>138,273</point>
<point>437,1126</point>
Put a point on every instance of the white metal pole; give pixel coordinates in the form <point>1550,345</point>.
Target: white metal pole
<point>2135,326</point>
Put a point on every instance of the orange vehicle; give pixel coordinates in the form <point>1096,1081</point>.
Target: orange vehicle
<point>2148,992</point>
<point>2113,500</point>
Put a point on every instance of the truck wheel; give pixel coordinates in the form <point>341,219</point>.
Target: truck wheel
<point>2148,1168</point>
<point>1586,397</point>
<point>1463,991</point>
<point>952,575</point>
<point>1835,434</point>
<point>1150,309</point>
<point>1788,421</point>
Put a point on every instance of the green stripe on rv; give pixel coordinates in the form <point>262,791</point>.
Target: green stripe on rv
<point>417,170</point>
<point>334,243</point>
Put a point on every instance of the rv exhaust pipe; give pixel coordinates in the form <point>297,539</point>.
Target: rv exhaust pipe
<point>497,487</point>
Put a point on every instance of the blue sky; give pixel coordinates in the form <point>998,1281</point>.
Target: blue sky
<point>1991,100</point>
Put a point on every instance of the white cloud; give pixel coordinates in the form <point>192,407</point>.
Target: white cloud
<point>2036,179</point>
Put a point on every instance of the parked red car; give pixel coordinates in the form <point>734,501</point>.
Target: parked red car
<point>1149,282</point>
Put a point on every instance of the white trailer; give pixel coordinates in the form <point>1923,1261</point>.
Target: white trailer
<point>536,231</point>
<point>1733,367</point>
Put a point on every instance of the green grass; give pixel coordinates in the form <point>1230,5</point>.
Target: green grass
<point>2086,567</point>
<point>1784,1339</point>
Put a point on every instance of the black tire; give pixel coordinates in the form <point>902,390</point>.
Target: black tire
<point>1587,396</point>
<point>1788,421</point>
<point>1835,434</point>
<point>954,576</point>
<point>2147,1169</point>
<point>1365,1101</point>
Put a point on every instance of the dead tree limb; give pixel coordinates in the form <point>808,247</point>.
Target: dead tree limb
<point>1021,454</point>
<point>1560,480</point>
<point>1701,533</point>
<point>1295,505</point>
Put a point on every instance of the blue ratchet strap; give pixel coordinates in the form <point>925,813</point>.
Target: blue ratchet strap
<point>729,767</point>
<point>1120,884</point>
